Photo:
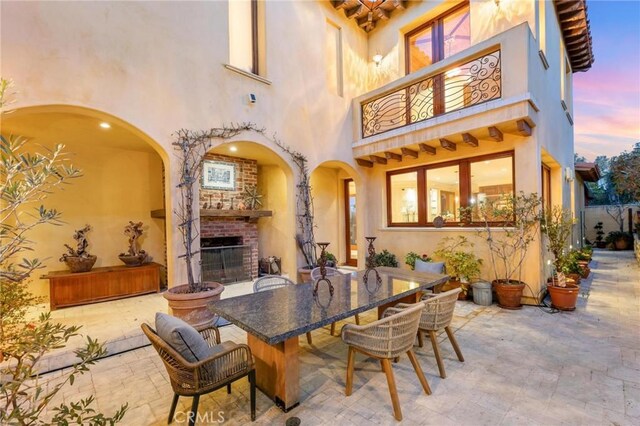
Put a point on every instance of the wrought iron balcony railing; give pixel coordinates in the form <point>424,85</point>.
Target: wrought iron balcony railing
<point>471,83</point>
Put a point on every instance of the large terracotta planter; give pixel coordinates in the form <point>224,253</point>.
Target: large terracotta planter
<point>509,293</point>
<point>564,298</point>
<point>80,264</point>
<point>621,244</point>
<point>452,284</point>
<point>194,307</point>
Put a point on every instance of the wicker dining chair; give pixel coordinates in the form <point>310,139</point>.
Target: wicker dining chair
<point>271,282</point>
<point>386,339</point>
<point>330,272</point>
<point>436,316</point>
<point>231,362</point>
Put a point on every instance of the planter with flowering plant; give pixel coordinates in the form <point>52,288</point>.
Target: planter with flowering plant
<point>411,257</point>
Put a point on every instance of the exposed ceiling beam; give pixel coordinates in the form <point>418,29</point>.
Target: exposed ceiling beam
<point>409,152</point>
<point>426,148</point>
<point>392,156</point>
<point>469,139</point>
<point>350,13</point>
<point>339,4</point>
<point>364,163</point>
<point>523,128</point>
<point>447,144</point>
<point>377,159</point>
<point>495,134</point>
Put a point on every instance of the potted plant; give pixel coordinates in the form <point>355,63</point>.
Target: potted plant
<point>619,240</point>
<point>599,235</point>
<point>517,217</point>
<point>571,268</point>
<point>134,256</point>
<point>190,301</point>
<point>410,259</point>
<point>557,225</point>
<point>79,259</point>
<point>461,265</point>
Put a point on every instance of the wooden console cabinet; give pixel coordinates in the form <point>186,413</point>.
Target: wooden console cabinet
<point>102,284</point>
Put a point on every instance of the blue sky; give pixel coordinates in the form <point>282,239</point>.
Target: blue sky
<point>607,97</point>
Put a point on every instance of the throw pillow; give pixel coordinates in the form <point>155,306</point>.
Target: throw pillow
<point>182,337</point>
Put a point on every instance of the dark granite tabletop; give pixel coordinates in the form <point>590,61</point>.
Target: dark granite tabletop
<point>277,315</point>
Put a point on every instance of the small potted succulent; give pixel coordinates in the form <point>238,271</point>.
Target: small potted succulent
<point>462,266</point>
<point>79,259</point>
<point>134,256</point>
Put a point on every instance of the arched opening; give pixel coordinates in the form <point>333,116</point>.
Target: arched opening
<point>122,180</point>
<point>251,213</point>
<point>335,187</point>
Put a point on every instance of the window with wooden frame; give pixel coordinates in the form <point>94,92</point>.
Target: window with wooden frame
<point>416,196</point>
<point>546,187</point>
<point>438,38</point>
<point>243,35</point>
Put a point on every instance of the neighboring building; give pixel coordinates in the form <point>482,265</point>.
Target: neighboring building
<point>464,101</point>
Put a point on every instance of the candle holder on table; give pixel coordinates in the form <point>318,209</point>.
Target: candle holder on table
<point>322,263</point>
<point>371,263</point>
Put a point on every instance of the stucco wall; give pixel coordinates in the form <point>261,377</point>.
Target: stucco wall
<point>595,214</point>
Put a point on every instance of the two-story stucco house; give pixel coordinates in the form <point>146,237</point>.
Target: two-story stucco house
<point>405,110</point>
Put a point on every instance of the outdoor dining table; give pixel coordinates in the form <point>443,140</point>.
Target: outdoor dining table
<point>274,319</point>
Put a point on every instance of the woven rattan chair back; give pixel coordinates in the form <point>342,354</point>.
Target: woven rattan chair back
<point>182,379</point>
<point>388,337</point>
<point>271,282</point>
<point>330,272</point>
<point>438,310</point>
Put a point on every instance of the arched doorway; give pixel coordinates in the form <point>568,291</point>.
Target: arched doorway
<point>122,180</point>
<point>253,216</point>
<point>334,188</point>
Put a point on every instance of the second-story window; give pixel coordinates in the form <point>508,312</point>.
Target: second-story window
<point>243,35</point>
<point>438,39</point>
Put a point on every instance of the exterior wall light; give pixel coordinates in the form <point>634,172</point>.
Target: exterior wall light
<point>377,58</point>
<point>105,125</point>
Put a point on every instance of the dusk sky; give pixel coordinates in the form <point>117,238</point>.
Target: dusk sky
<point>607,97</point>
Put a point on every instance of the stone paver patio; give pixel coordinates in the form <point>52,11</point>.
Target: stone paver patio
<point>522,367</point>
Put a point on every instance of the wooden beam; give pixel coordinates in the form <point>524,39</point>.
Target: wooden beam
<point>377,159</point>
<point>392,156</point>
<point>354,11</point>
<point>447,144</point>
<point>523,128</point>
<point>364,163</point>
<point>409,152</point>
<point>469,139</point>
<point>399,4</point>
<point>339,4</point>
<point>428,149</point>
<point>495,134</point>
<point>383,14</point>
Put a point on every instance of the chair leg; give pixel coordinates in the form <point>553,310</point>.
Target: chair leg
<point>418,369</point>
<point>333,329</point>
<point>228,388</point>
<point>174,403</point>
<point>194,410</point>
<point>350,360</point>
<point>252,381</point>
<point>454,343</point>
<point>393,391</point>
<point>357,319</point>
<point>420,340</point>
<point>436,351</point>
<point>309,341</point>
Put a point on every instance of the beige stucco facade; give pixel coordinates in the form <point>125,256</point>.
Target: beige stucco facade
<point>150,68</point>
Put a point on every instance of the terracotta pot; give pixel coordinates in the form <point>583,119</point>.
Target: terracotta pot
<point>305,274</point>
<point>584,271</point>
<point>574,277</point>
<point>451,284</point>
<point>193,307</point>
<point>509,293</point>
<point>564,298</point>
<point>621,244</point>
<point>80,264</point>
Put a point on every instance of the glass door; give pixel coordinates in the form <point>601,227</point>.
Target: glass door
<point>350,222</point>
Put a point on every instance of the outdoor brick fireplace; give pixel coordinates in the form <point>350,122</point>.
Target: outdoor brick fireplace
<point>229,234</point>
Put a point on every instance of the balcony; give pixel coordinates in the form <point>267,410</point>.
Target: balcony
<point>480,93</point>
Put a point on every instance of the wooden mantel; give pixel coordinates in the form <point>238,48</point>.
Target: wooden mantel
<point>231,214</point>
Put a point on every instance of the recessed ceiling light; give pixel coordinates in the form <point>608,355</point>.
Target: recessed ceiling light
<point>233,148</point>
<point>105,125</point>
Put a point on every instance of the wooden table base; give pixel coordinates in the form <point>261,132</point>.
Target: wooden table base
<point>412,298</point>
<point>277,370</point>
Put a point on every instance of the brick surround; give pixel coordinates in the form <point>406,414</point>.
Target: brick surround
<point>246,174</point>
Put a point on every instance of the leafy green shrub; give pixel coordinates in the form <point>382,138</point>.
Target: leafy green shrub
<point>410,259</point>
<point>385,258</point>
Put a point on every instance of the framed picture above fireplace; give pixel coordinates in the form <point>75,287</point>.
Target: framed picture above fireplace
<point>218,175</point>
